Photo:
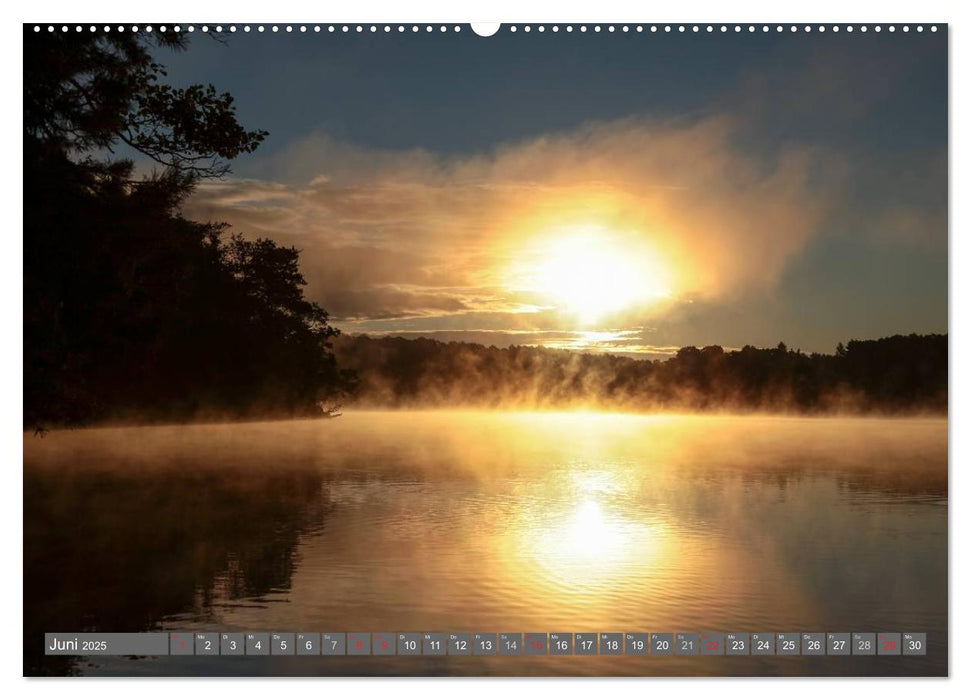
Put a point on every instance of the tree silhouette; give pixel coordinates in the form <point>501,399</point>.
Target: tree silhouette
<point>131,310</point>
<point>899,374</point>
<point>86,92</point>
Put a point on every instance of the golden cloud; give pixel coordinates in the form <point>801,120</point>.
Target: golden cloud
<point>412,233</point>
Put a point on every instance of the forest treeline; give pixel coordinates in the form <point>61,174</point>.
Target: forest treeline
<point>899,374</point>
<point>131,310</point>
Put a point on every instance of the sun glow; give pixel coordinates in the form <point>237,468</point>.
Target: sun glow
<point>591,273</point>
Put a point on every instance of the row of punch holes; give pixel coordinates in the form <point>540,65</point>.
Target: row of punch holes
<point>428,28</point>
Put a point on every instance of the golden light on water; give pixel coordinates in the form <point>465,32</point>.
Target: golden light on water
<point>589,533</point>
<point>582,537</point>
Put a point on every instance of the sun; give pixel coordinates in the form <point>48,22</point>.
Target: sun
<point>591,273</point>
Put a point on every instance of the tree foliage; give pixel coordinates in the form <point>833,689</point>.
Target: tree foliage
<point>130,309</point>
<point>899,374</point>
<point>88,92</point>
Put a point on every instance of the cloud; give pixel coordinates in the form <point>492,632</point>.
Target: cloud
<point>388,234</point>
<point>628,341</point>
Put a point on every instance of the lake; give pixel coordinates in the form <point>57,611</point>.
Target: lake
<point>490,521</point>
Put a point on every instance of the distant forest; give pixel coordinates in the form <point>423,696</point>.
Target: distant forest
<point>133,312</point>
<point>895,375</point>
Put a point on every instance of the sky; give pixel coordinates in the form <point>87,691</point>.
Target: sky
<point>610,192</point>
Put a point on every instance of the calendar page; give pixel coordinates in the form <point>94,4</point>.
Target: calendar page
<point>523,349</point>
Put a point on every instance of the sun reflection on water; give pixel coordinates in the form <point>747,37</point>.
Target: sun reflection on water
<point>586,534</point>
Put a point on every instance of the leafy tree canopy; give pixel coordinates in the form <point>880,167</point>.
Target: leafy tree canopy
<point>132,311</point>
<point>86,92</point>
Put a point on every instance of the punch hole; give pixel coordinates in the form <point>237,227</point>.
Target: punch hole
<point>485,29</point>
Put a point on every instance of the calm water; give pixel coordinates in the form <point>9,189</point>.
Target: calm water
<point>490,522</point>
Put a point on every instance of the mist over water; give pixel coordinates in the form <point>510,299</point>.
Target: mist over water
<point>491,521</point>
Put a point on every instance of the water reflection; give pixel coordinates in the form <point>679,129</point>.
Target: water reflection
<point>447,521</point>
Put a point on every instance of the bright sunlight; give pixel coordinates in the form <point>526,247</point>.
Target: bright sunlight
<point>589,273</point>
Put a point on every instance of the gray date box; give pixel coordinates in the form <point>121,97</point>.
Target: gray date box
<point>382,644</point>
<point>536,643</point>
<point>433,644</point>
<point>257,644</point>
<point>787,644</point>
<point>686,643</point>
<point>561,643</point>
<point>510,643</point>
<point>611,643</point>
<point>662,644</point>
<point>636,643</point>
<point>838,644</point>
<point>333,643</point>
<point>712,643</point>
<point>181,644</point>
<point>585,644</point>
<point>409,644</point>
<point>737,644</point>
<point>915,643</point>
<point>282,643</point>
<point>864,644</point>
<point>813,644</point>
<point>231,644</point>
<point>763,644</point>
<point>207,644</point>
<point>888,644</point>
<point>460,644</point>
<point>485,644</point>
<point>358,643</point>
<point>308,643</point>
